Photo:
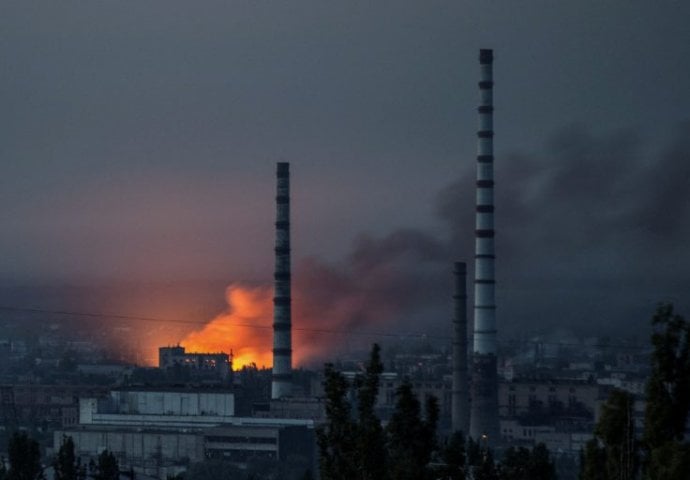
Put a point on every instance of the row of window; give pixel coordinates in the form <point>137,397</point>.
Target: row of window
<point>533,388</point>
<point>239,455</point>
<point>526,432</point>
<point>552,399</point>
<point>241,439</point>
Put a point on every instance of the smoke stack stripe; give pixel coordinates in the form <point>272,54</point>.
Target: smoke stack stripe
<point>484,415</point>
<point>485,321</point>
<point>282,309</point>
<point>460,414</point>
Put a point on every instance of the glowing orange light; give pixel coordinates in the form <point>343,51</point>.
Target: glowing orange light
<point>245,329</point>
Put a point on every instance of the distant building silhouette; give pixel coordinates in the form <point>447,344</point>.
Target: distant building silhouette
<point>196,364</point>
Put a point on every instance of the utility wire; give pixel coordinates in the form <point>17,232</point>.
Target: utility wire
<point>323,331</point>
<point>202,324</point>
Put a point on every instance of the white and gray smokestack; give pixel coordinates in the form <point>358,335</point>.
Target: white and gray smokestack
<point>282,310</point>
<point>484,424</point>
<point>460,413</point>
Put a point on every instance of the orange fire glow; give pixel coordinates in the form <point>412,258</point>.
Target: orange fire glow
<point>244,329</point>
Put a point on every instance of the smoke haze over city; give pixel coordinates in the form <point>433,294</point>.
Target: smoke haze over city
<point>138,143</point>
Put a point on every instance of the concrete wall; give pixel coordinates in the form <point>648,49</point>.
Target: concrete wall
<point>133,447</point>
<point>174,403</point>
<point>151,449</point>
<point>240,443</point>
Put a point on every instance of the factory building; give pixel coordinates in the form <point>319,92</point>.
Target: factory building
<point>197,365</point>
<point>159,432</point>
<point>48,405</point>
<point>523,397</point>
<point>175,407</point>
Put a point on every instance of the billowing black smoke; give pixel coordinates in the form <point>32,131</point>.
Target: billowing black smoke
<point>591,233</point>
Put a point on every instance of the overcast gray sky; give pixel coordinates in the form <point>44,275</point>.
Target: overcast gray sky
<point>138,142</point>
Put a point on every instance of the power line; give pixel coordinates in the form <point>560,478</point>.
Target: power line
<point>203,324</point>
<point>321,331</point>
<point>107,315</point>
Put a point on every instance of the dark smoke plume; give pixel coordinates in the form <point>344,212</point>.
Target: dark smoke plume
<point>591,229</point>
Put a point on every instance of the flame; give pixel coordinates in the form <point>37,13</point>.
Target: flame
<point>321,321</point>
<point>244,329</point>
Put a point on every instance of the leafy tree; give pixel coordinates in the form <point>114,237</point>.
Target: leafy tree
<point>453,457</point>
<point>668,395</point>
<point>107,467</point>
<point>668,388</point>
<point>515,464</point>
<point>524,464</point>
<point>670,461</point>
<point>354,445</point>
<point>541,466</point>
<point>486,468</point>
<point>336,439</point>
<point>353,448</point>
<point>307,475</point>
<point>370,444</point>
<point>480,462</point>
<point>66,465</point>
<point>474,453</point>
<point>214,469</point>
<point>25,458</point>
<point>431,415</point>
<point>616,430</point>
<point>614,452</point>
<point>411,439</point>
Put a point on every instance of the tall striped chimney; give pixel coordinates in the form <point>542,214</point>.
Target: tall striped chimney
<point>282,323</point>
<point>460,413</point>
<point>484,425</point>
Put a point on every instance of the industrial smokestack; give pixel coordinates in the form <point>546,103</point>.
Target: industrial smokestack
<point>484,425</point>
<point>282,311</point>
<point>460,414</point>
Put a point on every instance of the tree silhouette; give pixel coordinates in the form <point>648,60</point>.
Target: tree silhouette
<point>354,445</point>
<point>336,439</point>
<point>107,467</point>
<point>668,396</point>
<point>66,465</point>
<point>370,439</point>
<point>593,462</point>
<point>454,459</point>
<point>411,439</point>
<point>25,458</point>
<point>616,429</point>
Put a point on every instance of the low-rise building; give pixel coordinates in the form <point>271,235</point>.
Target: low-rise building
<point>160,432</point>
<point>44,405</point>
<point>561,398</point>
<point>198,364</point>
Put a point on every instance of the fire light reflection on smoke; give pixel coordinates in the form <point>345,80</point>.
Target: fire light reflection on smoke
<point>244,329</point>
